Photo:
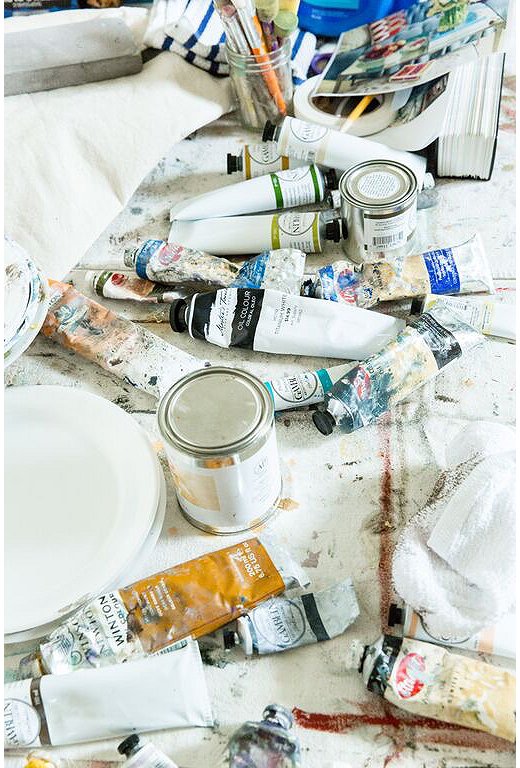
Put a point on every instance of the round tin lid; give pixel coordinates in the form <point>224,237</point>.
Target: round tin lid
<point>215,410</point>
<point>378,184</point>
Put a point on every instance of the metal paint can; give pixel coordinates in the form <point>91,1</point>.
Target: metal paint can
<point>378,210</point>
<point>217,425</point>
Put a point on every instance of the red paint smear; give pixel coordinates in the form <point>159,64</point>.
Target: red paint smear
<point>425,729</point>
<point>386,524</point>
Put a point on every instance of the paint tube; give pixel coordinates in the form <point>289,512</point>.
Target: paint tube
<point>497,640</point>
<point>460,269</point>
<point>334,149</point>
<point>174,264</point>
<point>121,347</point>
<point>259,159</point>
<point>416,356</point>
<point>267,744</point>
<point>115,285</point>
<point>271,321</point>
<point>188,600</point>
<point>280,269</point>
<point>285,189</point>
<point>236,235</point>
<point>485,313</point>
<point>305,388</point>
<point>167,691</point>
<point>143,755</point>
<point>282,623</point>
<point>431,681</point>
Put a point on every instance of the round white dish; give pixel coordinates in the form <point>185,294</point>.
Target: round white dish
<point>82,495</point>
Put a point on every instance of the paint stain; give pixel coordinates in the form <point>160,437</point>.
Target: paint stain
<point>446,399</point>
<point>288,504</point>
<point>386,523</point>
<point>172,531</point>
<point>136,210</point>
<point>312,560</point>
<point>287,422</point>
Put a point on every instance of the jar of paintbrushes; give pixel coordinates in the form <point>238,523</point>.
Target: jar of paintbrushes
<point>259,55</point>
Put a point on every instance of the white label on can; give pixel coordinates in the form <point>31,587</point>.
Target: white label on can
<point>21,720</point>
<point>378,185</point>
<point>386,234</point>
<point>229,493</point>
<point>304,141</point>
<point>296,230</point>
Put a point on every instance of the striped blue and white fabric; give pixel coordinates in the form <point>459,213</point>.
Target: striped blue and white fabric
<point>192,28</point>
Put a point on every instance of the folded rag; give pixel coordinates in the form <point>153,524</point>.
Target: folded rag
<point>455,561</point>
<point>193,29</point>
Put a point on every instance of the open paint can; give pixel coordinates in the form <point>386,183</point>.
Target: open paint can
<point>378,210</point>
<point>217,425</point>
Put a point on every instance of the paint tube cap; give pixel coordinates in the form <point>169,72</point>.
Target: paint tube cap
<point>178,315</point>
<point>267,9</point>
<point>417,305</point>
<point>270,132</point>
<point>285,23</point>
<point>324,421</point>
<point>330,179</point>
<point>128,745</point>
<point>355,655</point>
<point>333,230</point>
<point>129,257</point>
<point>275,713</point>
<point>230,639</point>
<point>395,615</point>
<point>234,163</point>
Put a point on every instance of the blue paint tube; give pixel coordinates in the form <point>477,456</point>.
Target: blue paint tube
<point>306,388</point>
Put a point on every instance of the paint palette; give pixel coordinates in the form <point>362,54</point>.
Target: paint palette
<point>84,503</point>
<point>26,300</point>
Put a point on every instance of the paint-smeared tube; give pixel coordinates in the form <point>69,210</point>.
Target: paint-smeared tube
<point>196,598</point>
<point>281,269</point>
<point>497,640</point>
<point>282,623</point>
<point>431,681</point>
<point>259,159</point>
<point>271,321</point>
<point>116,285</point>
<point>334,149</point>
<point>236,235</point>
<point>485,313</point>
<point>286,189</point>
<point>424,348</point>
<point>121,347</point>
<point>304,389</point>
<point>166,691</point>
<point>460,269</point>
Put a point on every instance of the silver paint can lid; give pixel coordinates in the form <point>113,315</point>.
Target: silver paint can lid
<point>214,411</point>
<point>378,184</point>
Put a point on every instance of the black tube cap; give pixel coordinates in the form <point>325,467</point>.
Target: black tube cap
<point>269,131</point>
<point>333,230</point>
<point>344,229</point>
<point>395,615</point>
<point>230,639</point>
<point>234,163</point>
<point>177,315</point>
<point>126,746</point>
<point>330,179</point>
<point>324,421</point>
<point>417,306</point>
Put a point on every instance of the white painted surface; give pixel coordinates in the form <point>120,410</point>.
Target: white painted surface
<point>350,495</point>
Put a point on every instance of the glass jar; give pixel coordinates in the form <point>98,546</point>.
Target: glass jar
<point>263,84</point>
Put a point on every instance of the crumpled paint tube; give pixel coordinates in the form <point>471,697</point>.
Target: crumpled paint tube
<point>432,341</point>
<point>189,600</point>
<point>460,269</point>
<point>116,285</point>
<point>119,346</point>
<point>284,622</point>
<point>305,388</point>
<point>281,269</point>
<point>428,680</point>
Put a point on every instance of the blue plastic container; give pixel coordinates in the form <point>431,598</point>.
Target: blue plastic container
<point>329,18</point>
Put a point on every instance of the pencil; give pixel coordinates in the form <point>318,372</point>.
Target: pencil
<point>356,112</point>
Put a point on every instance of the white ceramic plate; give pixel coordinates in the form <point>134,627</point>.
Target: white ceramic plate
<point>82,490</point>
<point>26,300</point>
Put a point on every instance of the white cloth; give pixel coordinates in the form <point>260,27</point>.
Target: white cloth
<point>74,156</point>
<point>455,561</point>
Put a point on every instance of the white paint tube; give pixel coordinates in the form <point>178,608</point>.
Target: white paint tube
<point>164,691</point>
<point>334,149</point>
<point>258,159</point>
<point>271,321</point>
<point>485,313</point>
<point>307,388</point>
<point>460,269</point>
<point>430,681</point>
<point>282,623</point>
<point>497,640</point>
<point>116,285</point>
<point>287,189</point>
<point>236,235</point>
